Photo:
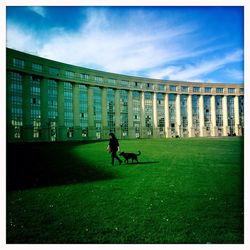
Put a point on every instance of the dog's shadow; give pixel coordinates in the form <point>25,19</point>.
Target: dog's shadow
<point>143,162</point>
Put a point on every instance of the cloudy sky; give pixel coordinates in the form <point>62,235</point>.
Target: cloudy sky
<point>175,43</point>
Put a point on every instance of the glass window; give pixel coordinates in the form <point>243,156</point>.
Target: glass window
<point>16,104</point>
<point>35,105</point>
<point>149,85</point>
<point>231,116</point>
<point>124,83</point>
<point>149,113</point>
<point>98,79</point>
<point>84,76</point>
<point>172,87</point>
<point>69,74</point>
<point>52,99</point>
<point>18,63</point>
<point>195,114</point>
<point>124,112</point>
<point>184,88</point>
<point>196,89</point>
<point>184,118</point>
<point>54,71</point>
<point>136,85</point>
<point>241,110</point>
<point>219,114</point>
<point>231,90</point>
<point>68,109</point>
<point>136,113</point>
<point>241,90</point>
<point>161,113</point>
<point>111,81</point>
<point>161,86</point>
<point>219,90</point>
<point>97,111</point>
<point>83,96</point>
<point>111,109</point>
<point>207,114</point>
<point>172,113</point>
<point>208,90</point>
<point>37,67</point>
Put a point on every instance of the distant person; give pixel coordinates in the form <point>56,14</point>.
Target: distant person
<point>113,147</point>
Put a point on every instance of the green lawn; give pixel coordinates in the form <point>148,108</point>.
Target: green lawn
<point>183,191</point>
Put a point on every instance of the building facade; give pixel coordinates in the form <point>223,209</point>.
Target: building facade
<point>53,101</point>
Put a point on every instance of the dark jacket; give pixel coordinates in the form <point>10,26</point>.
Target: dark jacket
<point>113,144</point>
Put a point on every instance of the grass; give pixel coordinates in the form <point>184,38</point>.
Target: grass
<point>183,191</point>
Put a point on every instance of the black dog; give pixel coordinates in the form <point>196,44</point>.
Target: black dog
<point>132,156</point>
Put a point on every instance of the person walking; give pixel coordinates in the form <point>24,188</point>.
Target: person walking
<point>113,147</point>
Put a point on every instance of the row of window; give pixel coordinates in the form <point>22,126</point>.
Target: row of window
<point>98,79</point>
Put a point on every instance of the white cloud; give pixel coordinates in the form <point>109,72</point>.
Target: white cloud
<point>199,69</point>
<point>235,74</point>
<point>38,10</point>
<point>20,39</point>
<point>124,48</point>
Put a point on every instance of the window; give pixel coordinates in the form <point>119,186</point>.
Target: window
<point>196,114</point>
<point>161,86</point>
<point>149,85</point>
<point>18,63</point>
<point>98,79</point>
<point>124,112</point>
<point>111,81</point>
<point>196,89</point>
<point>136,85</point>
<point>68,108</point>
<point>69,74</point>
<point>219,90</point>
<point>83,109</point>
<point>231,90</point>
<point>161,113</point>
<point>16,104</point>
<point>37,67</point>
<point>35,105</point>
<point>172,87</point>
<point>52,99</point>
<point>208,90</point>
<point>149,113</point>
<point>241,90</point>
<point>111,110</point>
<point>54,71</point>
<point>84,76</point>
<point>124,83</point>
<point>184,88</point>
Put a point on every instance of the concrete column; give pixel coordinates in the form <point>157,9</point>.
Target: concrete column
<point>105,129</point>
<point>166,114</point>
<point>190,116</point>
<point>62,130</point>
<point>201,116</point>
<point>225,115</point>
<point>27,123</point>
<point>178,115</point>
<point>131,129</point>
<point>10,128</point>
<point>117,114</point>
<point>156,130</point>
<point>76,112</point>
<point>44,110</point>
<point>213,116</point>
<point>91,123</point>
<point>236,115</point>
<point>143,133</point>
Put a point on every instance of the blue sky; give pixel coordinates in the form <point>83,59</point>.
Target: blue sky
<point>202,44</point>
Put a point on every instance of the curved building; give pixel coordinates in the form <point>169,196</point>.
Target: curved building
<point>53,101</point>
